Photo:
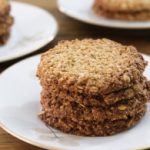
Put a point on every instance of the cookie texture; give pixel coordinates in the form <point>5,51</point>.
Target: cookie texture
<point>139,89</point>
<point>93,87</point>
<point>121,110</point>
<point>92,128</point>
<point>91,66</point>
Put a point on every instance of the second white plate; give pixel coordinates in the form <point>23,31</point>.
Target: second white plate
<point>33,28</point>
<point>82,10</point>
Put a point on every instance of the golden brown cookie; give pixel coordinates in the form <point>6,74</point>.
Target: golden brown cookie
<point>91,66</point>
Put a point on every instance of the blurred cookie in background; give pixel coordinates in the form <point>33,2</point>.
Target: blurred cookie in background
<point>123,9</point>
<point>6,21</point>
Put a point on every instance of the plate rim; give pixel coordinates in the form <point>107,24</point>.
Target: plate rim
<point>26,140</point>
<point>33,143</point>
<point>44,43</point>
<point>67,13</point>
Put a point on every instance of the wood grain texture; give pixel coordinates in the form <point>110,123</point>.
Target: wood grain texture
<point>71,29</point>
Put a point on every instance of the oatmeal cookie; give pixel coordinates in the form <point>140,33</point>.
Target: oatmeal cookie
<point>91,66</point>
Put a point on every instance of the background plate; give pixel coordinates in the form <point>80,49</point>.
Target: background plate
<point>33,28</point>
<point>83,11</point>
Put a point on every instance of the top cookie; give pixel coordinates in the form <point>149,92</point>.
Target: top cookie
<point>91,66</point>
<point>125,5</point>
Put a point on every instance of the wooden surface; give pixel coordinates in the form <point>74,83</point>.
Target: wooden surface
<point>71,29</point>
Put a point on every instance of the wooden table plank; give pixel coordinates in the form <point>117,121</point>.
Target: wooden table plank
<point>71,29</point>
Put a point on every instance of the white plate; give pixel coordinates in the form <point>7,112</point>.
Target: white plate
<point>20,104</point>
<point>82,10</point>
<point>33,28</point>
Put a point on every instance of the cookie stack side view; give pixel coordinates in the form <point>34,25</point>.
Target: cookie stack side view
<point>6,21</point>
<point>93,87</point>
<point>123,9</point>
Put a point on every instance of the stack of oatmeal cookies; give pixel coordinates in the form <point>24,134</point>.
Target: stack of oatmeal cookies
<point>6,21</point>
<point>93,87</point>
<point>123,9</point>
